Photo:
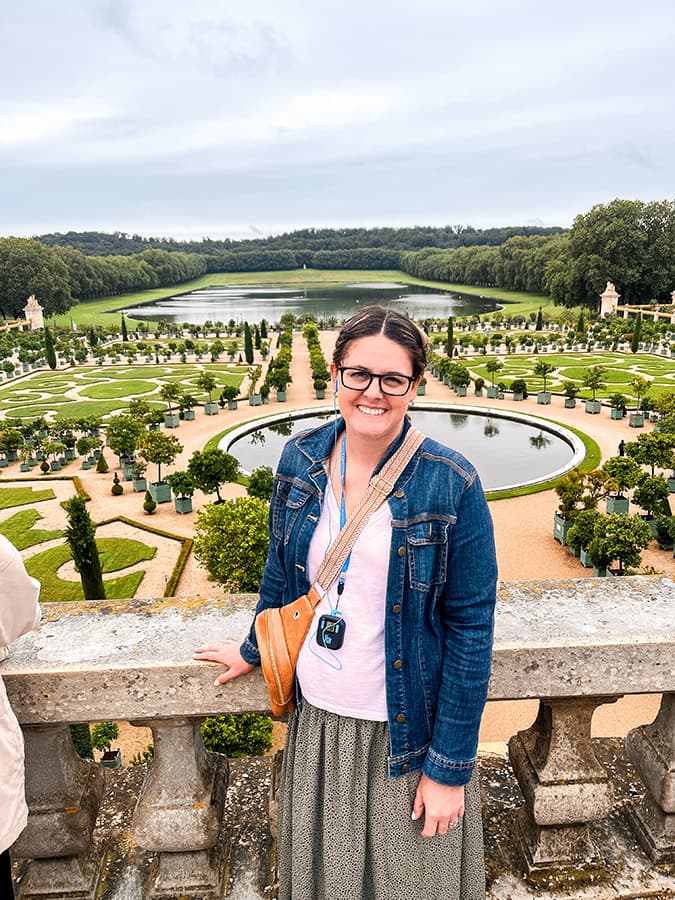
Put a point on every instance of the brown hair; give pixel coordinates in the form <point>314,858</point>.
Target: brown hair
<point>393,325</point>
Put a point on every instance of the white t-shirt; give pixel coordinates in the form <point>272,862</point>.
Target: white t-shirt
<point>350,681</point>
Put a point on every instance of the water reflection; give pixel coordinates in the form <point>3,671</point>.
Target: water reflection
<point>330,303</point>
<point>514,452</point>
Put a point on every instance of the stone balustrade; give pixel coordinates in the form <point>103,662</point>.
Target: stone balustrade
<point>574,645</point>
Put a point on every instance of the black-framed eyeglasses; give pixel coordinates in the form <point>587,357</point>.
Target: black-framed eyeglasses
<point>391,383</point>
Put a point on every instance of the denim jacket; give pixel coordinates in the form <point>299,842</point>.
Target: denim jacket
<point>440,594</point>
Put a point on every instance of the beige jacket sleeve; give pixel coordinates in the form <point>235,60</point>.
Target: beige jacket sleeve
<point>19,607</point>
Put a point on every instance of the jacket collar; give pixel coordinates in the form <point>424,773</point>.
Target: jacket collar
<point>317,444</point>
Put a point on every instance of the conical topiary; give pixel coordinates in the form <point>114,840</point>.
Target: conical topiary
<point>149,505</point>
<point>102,465</point>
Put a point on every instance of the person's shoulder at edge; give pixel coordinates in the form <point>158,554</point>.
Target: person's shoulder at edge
<point>458,462</point>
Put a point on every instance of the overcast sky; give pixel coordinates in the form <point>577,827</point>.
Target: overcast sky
<point>213,118</point>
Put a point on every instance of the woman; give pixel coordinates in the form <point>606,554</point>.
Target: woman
<point>19,613</point>
<point>379,761</point>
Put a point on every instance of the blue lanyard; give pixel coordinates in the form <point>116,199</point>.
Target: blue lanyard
<point>343,513</point>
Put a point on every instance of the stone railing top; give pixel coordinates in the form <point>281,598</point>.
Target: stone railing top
<point>131,659</point>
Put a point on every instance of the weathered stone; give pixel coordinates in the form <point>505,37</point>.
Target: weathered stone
<point>564,786</point>
<point>179,810</point>
<point>651,749</point>
<point>63,793</point>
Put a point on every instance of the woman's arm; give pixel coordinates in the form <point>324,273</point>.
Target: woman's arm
<point>19,607</point>
<point>468,604</point>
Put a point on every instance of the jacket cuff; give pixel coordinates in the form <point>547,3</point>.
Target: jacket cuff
<point>249,653</point>
<point>447,771</point>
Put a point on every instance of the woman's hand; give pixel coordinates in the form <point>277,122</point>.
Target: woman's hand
<point>228,654</point>
<point>441,804</point>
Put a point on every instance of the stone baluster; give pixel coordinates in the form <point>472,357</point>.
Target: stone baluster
<point>565,788</point>
<point>63,793</point>
<point>651,749</point>
<point>179,811</point>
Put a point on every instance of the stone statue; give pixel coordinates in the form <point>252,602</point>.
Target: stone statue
<point>33,312</point>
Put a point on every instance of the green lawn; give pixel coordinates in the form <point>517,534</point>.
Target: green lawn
<point>106,390</point>
<point>21,496</point>
<point>20,531</point>
<point>621,368</point>
<point>115,554</point>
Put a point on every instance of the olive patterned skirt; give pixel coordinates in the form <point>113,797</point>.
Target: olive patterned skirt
<point>345,831</point>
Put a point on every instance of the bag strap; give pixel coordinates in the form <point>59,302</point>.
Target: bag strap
<point>379,488</point>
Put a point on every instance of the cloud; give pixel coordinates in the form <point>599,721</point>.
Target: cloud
<point>206,115</point>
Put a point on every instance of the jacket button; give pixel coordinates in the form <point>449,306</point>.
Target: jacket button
<point>400,718</point>
<point>399,494</point>
<point>396,608</point>
<point>398,663</point>
<point>405,767</point>
<point>401,551</point>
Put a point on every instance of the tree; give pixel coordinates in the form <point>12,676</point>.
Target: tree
<point>493,366</point>
<point>637,334</point>
<point>622,473</point>
<point>161,449</point>
<point>450,340</point>
<point>248,344</point>
<point>540,322</point>
<point>261,483</point>
<point>125,334</point>
<point>50,353</point>
<point>618,537</point>
<point>207,382</point>
<point>122,434</point>
<point>653,449</point>
<point>171,392</point>
<point>80,536</point>
<point>211,468</point>
<point>543,369</point>
<point>640,386</point>
<point>594,378</point>
<point>651,494</point>
<point>231,542</point>
<point>182,484</point>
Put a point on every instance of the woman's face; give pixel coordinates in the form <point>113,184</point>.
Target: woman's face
<point>370,413</point>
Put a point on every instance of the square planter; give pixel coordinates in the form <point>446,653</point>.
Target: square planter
<point>70,454</point>
<point>111,759</point>
<point>671,484</point>
<point>518,396</point>
<point>183,504</point>
<point>255,400</point>
<point>281,396</point>
<point>570,402</point>
<point>210,409</point>
<point>86,465</point>
<point>140,484</point>
<point>560,529</point>
<point>602,573</point>
<point>585,559</point>
<point>154,426</point>
<point>12,455</point>
<point>232,404</point>
<point>478,392</point>
<point>617,505</point>
<point>616,413</point>
<point>461,390</point>
<point>25,467</point>
<point>55,465</point>
<point>593,407</point>
<point>189,415</point>
<point>160,491</point>
<point>636,420</point>
<point>544,398</point>
<point>421,391</point>
<point>492,393</point>
<point>171,420</point>
<point>320,395</point>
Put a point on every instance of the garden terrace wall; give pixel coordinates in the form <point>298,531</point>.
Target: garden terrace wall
<point>573,644</point>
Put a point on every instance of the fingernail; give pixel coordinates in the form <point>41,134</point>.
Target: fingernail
<point>216,683</point>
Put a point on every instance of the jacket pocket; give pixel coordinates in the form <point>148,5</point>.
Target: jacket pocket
<point>428,552</point>
<point>287,501</point>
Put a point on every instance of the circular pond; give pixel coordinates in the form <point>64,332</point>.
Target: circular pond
<point>508,450</point>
